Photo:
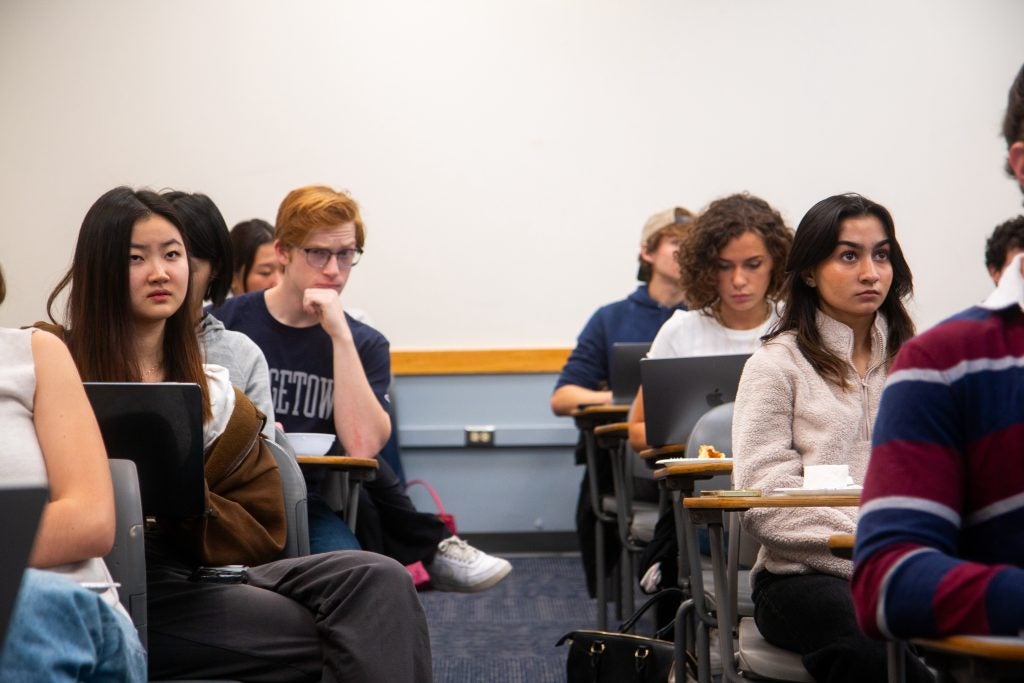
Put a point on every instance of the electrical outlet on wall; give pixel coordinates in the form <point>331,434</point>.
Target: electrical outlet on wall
<point>479,436</point>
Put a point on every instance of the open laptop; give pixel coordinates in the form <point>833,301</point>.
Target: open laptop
<point>624,374</point>
<point>20,509</point>
<point>677,391</point>
<point>159,427</point>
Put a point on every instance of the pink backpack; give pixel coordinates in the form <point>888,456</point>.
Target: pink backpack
<point>420,577</point>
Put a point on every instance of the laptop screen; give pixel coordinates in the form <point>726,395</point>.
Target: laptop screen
<point>624,377</point>
<point>20,509</point>
<point>159,427</point>
<point>677,391</point>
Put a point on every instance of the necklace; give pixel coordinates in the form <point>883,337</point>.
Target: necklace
<point>151,371</point>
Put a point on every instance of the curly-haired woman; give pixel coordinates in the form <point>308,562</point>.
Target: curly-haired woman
<point>732,265</point>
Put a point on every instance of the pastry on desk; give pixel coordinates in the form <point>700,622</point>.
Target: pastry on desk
<point>708,451</point>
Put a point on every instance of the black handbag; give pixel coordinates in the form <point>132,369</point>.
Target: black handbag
<point>620,657</point>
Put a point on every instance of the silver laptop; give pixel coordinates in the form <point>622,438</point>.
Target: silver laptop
<point>20,509</point>
<point>624,374</point>
<point>677,391</point>
<point>159,427</point>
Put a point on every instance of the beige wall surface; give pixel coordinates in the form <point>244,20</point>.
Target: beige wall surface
<point>507,153</point>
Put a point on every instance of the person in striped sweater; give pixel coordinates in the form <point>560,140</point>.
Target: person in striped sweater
<point>940,538</point>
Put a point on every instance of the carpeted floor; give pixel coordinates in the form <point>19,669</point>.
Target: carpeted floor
<point>508,634</point>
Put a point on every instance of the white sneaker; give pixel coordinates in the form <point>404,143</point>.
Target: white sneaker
<point>458,566</point>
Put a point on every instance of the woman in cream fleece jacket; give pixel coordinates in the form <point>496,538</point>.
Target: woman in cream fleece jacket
<point>809,397</point>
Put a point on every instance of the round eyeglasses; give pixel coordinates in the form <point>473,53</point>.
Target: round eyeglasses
<point>318,258</point>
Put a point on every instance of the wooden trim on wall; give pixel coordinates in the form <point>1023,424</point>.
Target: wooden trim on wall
<point>477,361</point>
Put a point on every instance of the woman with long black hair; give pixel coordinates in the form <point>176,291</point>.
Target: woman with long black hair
<point>809,397</point>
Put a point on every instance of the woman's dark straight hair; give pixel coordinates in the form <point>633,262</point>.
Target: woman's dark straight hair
<point>98,316</point>
<point>246,239</point>
<point>816,238</point>
<point>208,239</point>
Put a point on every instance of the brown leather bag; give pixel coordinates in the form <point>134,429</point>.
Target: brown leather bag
<point>245,520</point>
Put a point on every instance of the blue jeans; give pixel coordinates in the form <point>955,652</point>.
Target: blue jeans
<point>327,530</point>
<point>62,632</point>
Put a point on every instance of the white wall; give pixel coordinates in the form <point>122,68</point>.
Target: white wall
<point>506,152</point>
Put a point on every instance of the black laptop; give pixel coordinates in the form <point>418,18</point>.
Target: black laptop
<point>677,391</point>
<point>624,374</point>
<point>159,427</point>
<point>20,509</point>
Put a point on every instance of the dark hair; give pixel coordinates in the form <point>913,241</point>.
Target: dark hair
<point>98,316</point>
<point>1006,236</point>
<point>1013,120</point>
<point>246,239</point>
<point>208,239</point>
<point>722,221</point>
<point>3,287</point>
<point>816,239</point>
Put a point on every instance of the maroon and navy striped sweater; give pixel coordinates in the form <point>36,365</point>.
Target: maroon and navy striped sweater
<point>940,537</point>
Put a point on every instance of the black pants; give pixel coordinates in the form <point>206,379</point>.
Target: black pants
<point>812,614</point>
<point>390,524</point>
<point>341,616</point>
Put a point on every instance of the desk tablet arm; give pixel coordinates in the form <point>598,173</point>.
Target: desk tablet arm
<point>710,510</point>
<point>980,659</point>
<point>345,477</point>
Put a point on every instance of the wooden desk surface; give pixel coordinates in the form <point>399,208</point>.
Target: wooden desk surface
<point>748,502</point>
<point>338,461</point>
<point>841,545</point>
<point>672,450</point>
<point>592,416</point>
<point>613,429</point>
<point>992,647</point>
<point>603,409</point>
<point>702,466</point>
<point>840,541</point>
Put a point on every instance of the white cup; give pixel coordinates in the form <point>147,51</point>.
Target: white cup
<point>827,476</point>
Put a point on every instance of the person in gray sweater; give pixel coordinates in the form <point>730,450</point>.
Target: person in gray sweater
<point>244,362</point>
<point>211,265</point>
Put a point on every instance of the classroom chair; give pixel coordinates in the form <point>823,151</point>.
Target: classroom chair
<point>684,479</point>
<point>634,518</point>
<point>755,656</point>
<point>587,419</point>
<point>341,488</point>
<point>295,501</point>
<point>127,559</point>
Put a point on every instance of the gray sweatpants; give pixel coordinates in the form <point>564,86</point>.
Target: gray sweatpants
<point>340,616</point>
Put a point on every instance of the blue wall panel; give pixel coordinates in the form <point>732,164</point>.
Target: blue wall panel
<point>526,482</point>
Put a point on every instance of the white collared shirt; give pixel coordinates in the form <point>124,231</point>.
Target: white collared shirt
<point>1010,289</point>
